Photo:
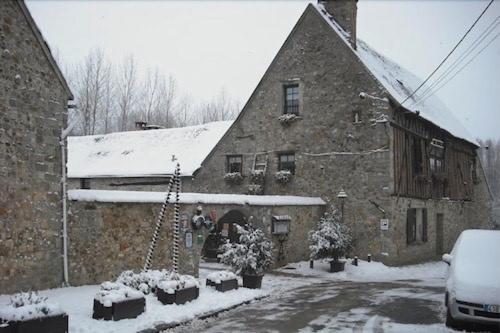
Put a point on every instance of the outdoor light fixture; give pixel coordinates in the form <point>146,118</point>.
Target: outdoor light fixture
<point>342,196</point>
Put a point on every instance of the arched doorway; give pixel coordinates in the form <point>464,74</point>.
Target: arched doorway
<point>224,230</point>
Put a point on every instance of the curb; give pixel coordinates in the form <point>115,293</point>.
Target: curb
<point>167,326</point>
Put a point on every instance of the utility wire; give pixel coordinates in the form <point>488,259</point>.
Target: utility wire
<point>449,54</point>
<point>461,58</point>
<point>461,68</point>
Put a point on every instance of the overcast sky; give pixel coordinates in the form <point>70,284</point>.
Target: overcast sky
<point>210,45</point>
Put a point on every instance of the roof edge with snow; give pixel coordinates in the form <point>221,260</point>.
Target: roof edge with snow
<point>108,196</point>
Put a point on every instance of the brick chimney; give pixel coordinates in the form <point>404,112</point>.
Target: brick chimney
<point>344,12</point>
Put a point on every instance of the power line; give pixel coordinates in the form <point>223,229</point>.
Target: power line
<point>461,58</point>
<point>449,54</point>
<point>461,68</point>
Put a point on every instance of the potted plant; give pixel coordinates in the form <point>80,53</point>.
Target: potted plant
<point>29,312</point>
<point>257,176</point>
<point>222,281</point>
<point>116,301</point>
<point>233,177</point>
<point>255,189</point>
<point>283,176</point>
<point>330,240</point>
<point>178,289</point>
<point>287,119</point>
<point>251,257</point>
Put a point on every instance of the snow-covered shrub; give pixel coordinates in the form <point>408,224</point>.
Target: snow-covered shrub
<point>113,292</point>
<point>287,119</point>
<point>257,176</point>
<point>252,256</point>
<point>233,177</point>
<point>30,305</point>
<point>254,189</point>
<point>331,238</point>
<point>176,281</point>
<point>283,176</point>
<point>144,281</point>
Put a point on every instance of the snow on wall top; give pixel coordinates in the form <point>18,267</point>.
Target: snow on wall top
<point>143,153</point>
<point>193,198</point>
<point>400,83</point>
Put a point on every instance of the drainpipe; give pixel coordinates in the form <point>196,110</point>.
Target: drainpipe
<point>62,143</point>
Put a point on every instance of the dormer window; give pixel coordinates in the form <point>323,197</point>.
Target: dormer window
<point>291,99</point>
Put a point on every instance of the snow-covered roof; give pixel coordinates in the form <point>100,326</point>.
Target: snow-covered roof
<point>400,83</point>
<point>143,153</point>
<point>193,198</point>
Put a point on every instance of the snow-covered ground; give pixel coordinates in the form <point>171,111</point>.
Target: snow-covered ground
<point>431,273</point>
<point>289,282</point>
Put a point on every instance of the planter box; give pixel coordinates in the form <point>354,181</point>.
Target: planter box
<point>180,296</point>
<point>52,324</point>
<point>336,266</point>
<point>252,281</point>
<point>224,285</point>
<point>130,308</point>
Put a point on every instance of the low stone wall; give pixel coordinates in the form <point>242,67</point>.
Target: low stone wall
<point>108,238</point>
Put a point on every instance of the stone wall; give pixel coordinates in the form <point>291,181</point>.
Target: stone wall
<point>108,238</point>
<point>156,184</point>
<point>330,80</point>
<point>32,113</point>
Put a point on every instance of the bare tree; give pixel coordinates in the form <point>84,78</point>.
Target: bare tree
<point>126,91</point>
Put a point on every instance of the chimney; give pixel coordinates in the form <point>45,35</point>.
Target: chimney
<point>344,12</point>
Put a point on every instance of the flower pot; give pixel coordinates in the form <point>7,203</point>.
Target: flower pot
<point>252,281</point>
<point>129,308</point>
<point>180,296</point>
<point>52,324</point>
<point>336,266</point>
<point>224,285</point>
<point>186,295</point>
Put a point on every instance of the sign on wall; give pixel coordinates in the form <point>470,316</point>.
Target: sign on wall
<point>189,239</point>
<point>384,224</point>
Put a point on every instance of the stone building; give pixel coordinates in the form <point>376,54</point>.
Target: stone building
<point>33,110</point>
<point>338,115</point>
<point>329,116</point>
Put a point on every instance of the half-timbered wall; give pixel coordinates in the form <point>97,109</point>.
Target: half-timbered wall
<point>413,176</point>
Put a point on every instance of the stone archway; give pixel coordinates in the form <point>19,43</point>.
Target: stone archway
<point>224,230</point>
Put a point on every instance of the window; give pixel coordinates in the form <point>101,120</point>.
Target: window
<point>287,162</point>
<point>416,219</point>
<point>291,99</point>
<point>436,153</point>
<point>234,163</point>
<point>411,225</point>
<point>417,156</point>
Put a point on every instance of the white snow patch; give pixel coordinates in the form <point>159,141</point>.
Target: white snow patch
<point>143,153</point>
<point>371,271</point>
<point>193,198</point>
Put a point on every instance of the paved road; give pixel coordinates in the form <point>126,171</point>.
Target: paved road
<point>398,306</point>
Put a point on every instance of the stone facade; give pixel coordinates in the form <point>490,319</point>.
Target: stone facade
<point>332,151</point>
<point>108,238</point>
<point>33,102</point>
